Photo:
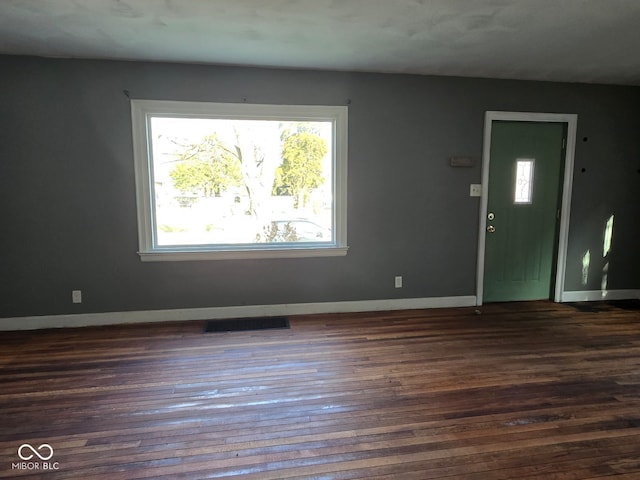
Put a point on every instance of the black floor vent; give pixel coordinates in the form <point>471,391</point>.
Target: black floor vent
<point>243,324</point>
<point>589,307</point>
<point>631,304</point>
<point>605,306</point>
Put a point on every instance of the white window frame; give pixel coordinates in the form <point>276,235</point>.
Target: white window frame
<point>141,113</point>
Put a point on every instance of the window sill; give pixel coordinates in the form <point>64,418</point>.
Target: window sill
<point>200,255</point>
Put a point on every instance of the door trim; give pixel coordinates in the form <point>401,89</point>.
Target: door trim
<point>563,235</point>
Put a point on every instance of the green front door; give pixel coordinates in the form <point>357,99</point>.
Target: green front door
<point>525,181</point>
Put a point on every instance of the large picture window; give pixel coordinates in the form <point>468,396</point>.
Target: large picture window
<point>239,180</point>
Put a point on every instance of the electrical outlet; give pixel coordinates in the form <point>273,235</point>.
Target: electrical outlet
<point>398,281</point>
<point>76,296</point>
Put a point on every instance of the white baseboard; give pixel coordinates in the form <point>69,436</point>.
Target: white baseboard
<point>595,295</point>
<point>214,313</point>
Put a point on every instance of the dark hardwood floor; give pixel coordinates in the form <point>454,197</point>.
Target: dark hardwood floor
<point>522,391</point>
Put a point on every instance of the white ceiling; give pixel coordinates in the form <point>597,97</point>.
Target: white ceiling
<point>591,41</point>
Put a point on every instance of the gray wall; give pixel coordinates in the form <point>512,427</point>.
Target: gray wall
<point>68,217</point>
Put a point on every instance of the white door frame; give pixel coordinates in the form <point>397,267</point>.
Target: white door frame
<point>571,120</point>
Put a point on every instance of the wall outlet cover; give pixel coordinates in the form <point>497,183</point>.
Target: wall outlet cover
<point>76,296</point>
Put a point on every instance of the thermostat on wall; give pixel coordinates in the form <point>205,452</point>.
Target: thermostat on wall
<point>462,161</point>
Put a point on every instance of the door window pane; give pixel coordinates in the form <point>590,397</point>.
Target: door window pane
<point>524,181</point>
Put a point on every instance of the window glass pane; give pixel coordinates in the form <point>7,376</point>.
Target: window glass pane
<point>241,181</point>
<point>524,181</point>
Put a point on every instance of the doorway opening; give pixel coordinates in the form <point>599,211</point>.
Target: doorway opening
<point>527,172</point>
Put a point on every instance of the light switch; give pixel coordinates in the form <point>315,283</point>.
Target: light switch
<point>475,190</point>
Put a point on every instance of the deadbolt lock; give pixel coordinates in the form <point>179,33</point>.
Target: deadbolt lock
<point>491,216</point>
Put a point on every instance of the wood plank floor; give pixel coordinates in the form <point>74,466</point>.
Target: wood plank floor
<point>522,391</point>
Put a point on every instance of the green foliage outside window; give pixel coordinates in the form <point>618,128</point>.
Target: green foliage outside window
<point>206,168</point>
